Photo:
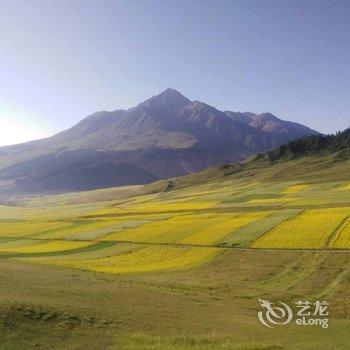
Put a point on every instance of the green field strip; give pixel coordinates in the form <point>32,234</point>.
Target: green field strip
<point>327,272</point>
<point>249,233</point>
<point>294,273</point>
<point>341,278</point>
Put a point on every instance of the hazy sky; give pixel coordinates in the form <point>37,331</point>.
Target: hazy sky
<point>62,60</point>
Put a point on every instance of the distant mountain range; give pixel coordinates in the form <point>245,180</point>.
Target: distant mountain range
<point>165,136</point>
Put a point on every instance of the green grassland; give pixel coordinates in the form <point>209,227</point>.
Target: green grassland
<point>180,264</point>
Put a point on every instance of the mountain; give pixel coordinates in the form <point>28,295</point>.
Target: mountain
<point>165,136</point>
<point>269,123</point>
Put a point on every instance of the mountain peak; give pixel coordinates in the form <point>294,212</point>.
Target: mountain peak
<point>170,90</point>
<point>172,95</point>
<point>170,98</point>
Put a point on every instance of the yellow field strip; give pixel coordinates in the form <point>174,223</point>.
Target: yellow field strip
<point>294,189</point>
<point>344,187</point>
<point>75,230</point>
<point>45,247</point>
<point>153,258</point>
<point>79,255</point>
<point>14,243</point>
<point>164,231</point>
<point>168,207</point>
<point>311,229</point>
<point>223,227</point>
<point>27,228</point>
<point>341,238</point>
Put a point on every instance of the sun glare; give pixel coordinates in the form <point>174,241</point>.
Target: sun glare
<point>13,132</point>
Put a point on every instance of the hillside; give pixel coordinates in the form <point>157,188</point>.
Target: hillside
<point>165,136</point>
<point>313,145</point>
<point>313,160</point>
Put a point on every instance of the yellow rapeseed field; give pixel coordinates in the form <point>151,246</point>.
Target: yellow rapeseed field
<point>76,229</point>
<point>146,260</point>
<point>270,200</point>
<point>307,201</point>
<point>164,231</point>
<point>15,243</point>
<point>46,247</point>
<point>27,228</point>
<point>82,254</point>
<point>294,189</point>
<point>311,229</point>
<point>222,227</point>
<point>342,238</point>
<point>344,187</point>
<point>164,207</point>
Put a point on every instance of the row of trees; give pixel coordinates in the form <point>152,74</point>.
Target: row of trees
<point>311,145</point>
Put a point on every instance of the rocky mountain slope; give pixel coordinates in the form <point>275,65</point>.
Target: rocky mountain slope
<point>165,136</point>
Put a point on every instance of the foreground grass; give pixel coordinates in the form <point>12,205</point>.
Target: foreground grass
<point>146,268</point>
<point>213,306</point>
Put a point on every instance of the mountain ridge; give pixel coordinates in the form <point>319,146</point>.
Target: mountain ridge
<point>164,136</point>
